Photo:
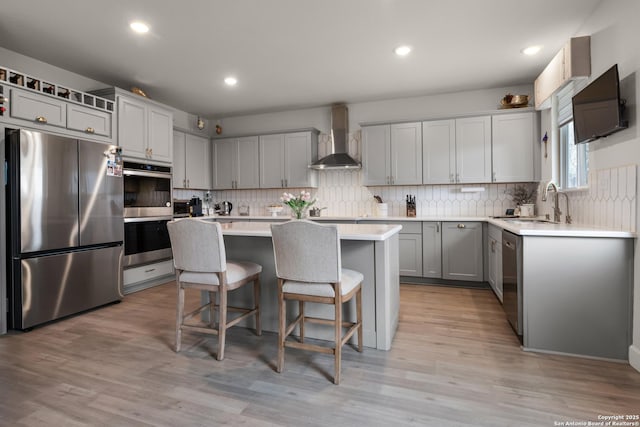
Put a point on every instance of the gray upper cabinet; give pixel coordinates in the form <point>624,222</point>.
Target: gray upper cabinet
<point>392,154</point>
<point>285,159</point>
<point>432,249</point>
<point>462,251</point>
<point>191,161</point>
<point>236,163</point>
<point>473,149</point>
<point>39,109</point>
<point>145,130</point>
<point>376,166</point>
<point>439,151</point>
<point>88,120</point>
<point>457,150</point>
<point>514,144</point>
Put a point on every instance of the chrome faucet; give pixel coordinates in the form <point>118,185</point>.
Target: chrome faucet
<point>567,218</point>
<point>556,209</point>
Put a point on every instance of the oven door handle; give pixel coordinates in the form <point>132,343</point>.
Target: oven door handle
<point>148,218</point>
<point>130,172</point>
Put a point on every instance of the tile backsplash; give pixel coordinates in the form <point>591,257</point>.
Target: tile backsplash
<point>609,202</point>
<point>343,194</point>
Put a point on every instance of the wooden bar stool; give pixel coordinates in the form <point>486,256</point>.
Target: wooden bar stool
<point>309,269</point>
<point>200,261</point>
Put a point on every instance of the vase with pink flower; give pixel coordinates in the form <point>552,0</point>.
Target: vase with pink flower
<point>298,204</point>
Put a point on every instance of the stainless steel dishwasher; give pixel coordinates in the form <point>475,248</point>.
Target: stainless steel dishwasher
<point>512,279</point>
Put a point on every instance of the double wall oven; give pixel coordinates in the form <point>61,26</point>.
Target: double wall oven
<point>147,209</point>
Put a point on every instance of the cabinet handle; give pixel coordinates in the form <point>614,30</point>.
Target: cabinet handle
<point>493,246</point>
<point>188,184</point>
<point>461,226</point>
<point>150,270</point>
<point>184,182</point>
<point>493,177</point>
<point>437,227</point>
<point>451,178</point>
<point>41,119</point>
<point>281,182</point>
<point>286,182</point>
<point>90,130</point>
<point>457,177</point>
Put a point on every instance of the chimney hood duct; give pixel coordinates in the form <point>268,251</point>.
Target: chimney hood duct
<point>338,157</point>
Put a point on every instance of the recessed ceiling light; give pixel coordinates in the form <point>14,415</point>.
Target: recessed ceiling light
<point>402,50</point>
<point>230,81</point>
<point>531,50</point>
<point>139,27</point>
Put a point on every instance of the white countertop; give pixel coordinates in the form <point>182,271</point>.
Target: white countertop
<point>558,230</point>
<point>523,229</point>
<point>377,232</point>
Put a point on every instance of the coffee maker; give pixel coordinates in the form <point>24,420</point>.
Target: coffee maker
<point>195,206</point>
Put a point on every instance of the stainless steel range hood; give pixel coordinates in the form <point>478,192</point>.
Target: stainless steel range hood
<point>338,157</point>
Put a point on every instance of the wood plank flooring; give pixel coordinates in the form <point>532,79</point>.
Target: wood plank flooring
<point>454,362</point>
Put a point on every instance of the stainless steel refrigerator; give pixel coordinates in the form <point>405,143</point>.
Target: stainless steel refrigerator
<point>65,226</point>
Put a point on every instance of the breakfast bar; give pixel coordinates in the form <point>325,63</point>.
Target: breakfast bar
<point>371,249</point>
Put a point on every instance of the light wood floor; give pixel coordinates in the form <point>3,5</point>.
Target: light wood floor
<point>454,361</point>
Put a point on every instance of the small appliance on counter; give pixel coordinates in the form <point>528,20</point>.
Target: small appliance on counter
<point>243,210</point>
<point>195,206</point>
<point>223,208</point>
<point>180,208</point>
<point>315,212</point>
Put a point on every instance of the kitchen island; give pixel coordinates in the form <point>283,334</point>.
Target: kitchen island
<point>371,249</point>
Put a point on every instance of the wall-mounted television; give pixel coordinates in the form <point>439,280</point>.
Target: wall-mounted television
<point>598,109</point>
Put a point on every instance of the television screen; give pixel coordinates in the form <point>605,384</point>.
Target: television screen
<point>597,109</point>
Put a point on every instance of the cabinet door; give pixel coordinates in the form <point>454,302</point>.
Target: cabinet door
<point>272,161</point>
<point>462,251</point>
<point>223,163</point>
<point>473,149</point>
<point>439,152</point>
<point>198,162</point>
<point>88,120</point>
<point>39,109</point>
<point>431,250</point>
<point>513,147</point>
<point>376,141</point>
<point>410,249</point>
<point>248,162</point>
<point>160,141</point>
<point>132,127</point>
<point>494,249</point>
<point>297,158</point>
<point>406,154</point>
<point>179,160</point>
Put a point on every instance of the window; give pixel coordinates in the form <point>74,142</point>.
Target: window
<point>574,159</point>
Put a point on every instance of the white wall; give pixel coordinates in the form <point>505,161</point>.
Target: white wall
<point>614,32</point>
<point>405,109</point>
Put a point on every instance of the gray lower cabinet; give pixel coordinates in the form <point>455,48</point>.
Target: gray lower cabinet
<point>494,262</point>
<point>410,249</point>
<point>432,250</point>
<point>410,246</point>
<point>462,250</point>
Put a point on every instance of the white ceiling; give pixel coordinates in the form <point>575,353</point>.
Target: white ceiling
<point>292,53</point>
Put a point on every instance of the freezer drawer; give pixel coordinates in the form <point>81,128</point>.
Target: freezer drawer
<point>55,286</point>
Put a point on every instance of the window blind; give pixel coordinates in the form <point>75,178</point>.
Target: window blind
<point>564,95</point>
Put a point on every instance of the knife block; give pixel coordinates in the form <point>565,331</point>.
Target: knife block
<point>411,211</point>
